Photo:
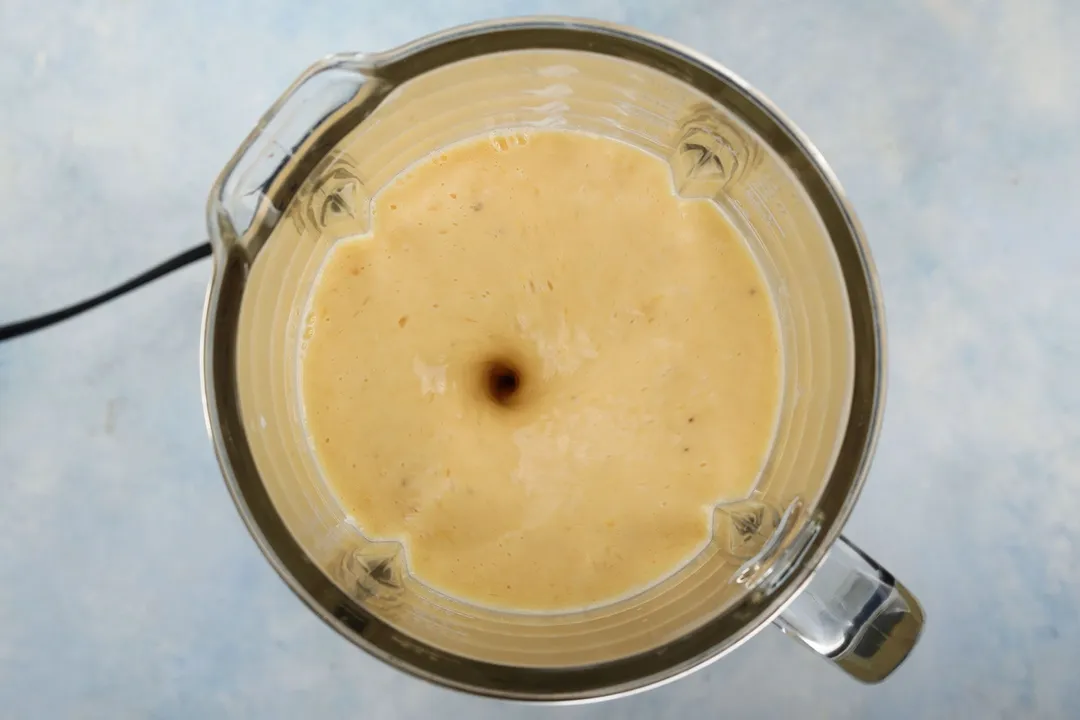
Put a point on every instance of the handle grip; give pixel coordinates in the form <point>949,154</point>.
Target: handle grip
<point>856,614</point>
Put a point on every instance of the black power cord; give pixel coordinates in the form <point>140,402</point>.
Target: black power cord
<point>25,327</point>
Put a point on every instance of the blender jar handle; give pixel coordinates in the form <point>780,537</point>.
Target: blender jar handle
<point>856,614</point>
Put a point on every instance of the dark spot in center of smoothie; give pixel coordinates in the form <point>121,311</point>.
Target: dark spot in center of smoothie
<point>502,380</point>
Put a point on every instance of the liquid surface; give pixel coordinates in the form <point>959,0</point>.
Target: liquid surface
<point>540,370</point>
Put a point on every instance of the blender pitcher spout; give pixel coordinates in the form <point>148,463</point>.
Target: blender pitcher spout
<point>295,136</point>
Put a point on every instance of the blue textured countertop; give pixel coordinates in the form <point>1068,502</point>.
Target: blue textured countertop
<point>128,585</point>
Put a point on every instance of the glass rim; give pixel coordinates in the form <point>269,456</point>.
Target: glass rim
<point>746,615</point>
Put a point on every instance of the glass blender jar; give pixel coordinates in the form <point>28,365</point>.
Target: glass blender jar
<point>348,126</point>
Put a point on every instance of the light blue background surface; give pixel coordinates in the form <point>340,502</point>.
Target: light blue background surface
<point>128,586</point>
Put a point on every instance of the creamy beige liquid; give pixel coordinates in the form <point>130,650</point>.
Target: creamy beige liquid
<point>540,370</point>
